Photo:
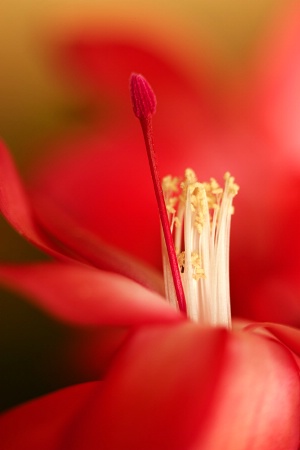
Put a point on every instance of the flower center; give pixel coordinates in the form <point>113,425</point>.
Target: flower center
<point>199,217</point>
<point>195,219</point>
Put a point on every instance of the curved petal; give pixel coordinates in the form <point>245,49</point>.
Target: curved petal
<point>187,387</point>
<point>86,296</point>
<point>15,206</point>
<point>288,336</point>
<point>42,423</point>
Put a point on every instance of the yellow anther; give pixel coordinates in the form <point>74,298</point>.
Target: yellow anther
<point>233,189</point>
<point>198,271</point>
<point>217,191</point>
<point>170,184</point>
<point>190,176</point>
<point>170,204</point>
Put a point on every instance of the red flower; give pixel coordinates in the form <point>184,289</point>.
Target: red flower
<point>171,383</point>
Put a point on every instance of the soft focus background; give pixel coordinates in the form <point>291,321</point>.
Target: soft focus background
<point>37,103</point>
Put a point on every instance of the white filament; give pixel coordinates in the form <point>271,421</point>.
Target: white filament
<point>201,221</point>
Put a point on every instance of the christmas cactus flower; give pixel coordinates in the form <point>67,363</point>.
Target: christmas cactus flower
<point>182,377</point>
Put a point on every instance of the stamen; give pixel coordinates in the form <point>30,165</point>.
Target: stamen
<point>202,212</point>
<point>144,106</point>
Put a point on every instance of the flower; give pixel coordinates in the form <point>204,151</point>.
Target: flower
<point>170,382</point>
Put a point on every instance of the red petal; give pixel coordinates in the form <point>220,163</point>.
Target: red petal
<point>15,206</point>
<point>185,387</point>
<point>87,296</point>
<point>288,336</point>
<point>41,424</point>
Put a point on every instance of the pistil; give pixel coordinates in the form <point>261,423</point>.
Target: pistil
<point>144,106</point>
